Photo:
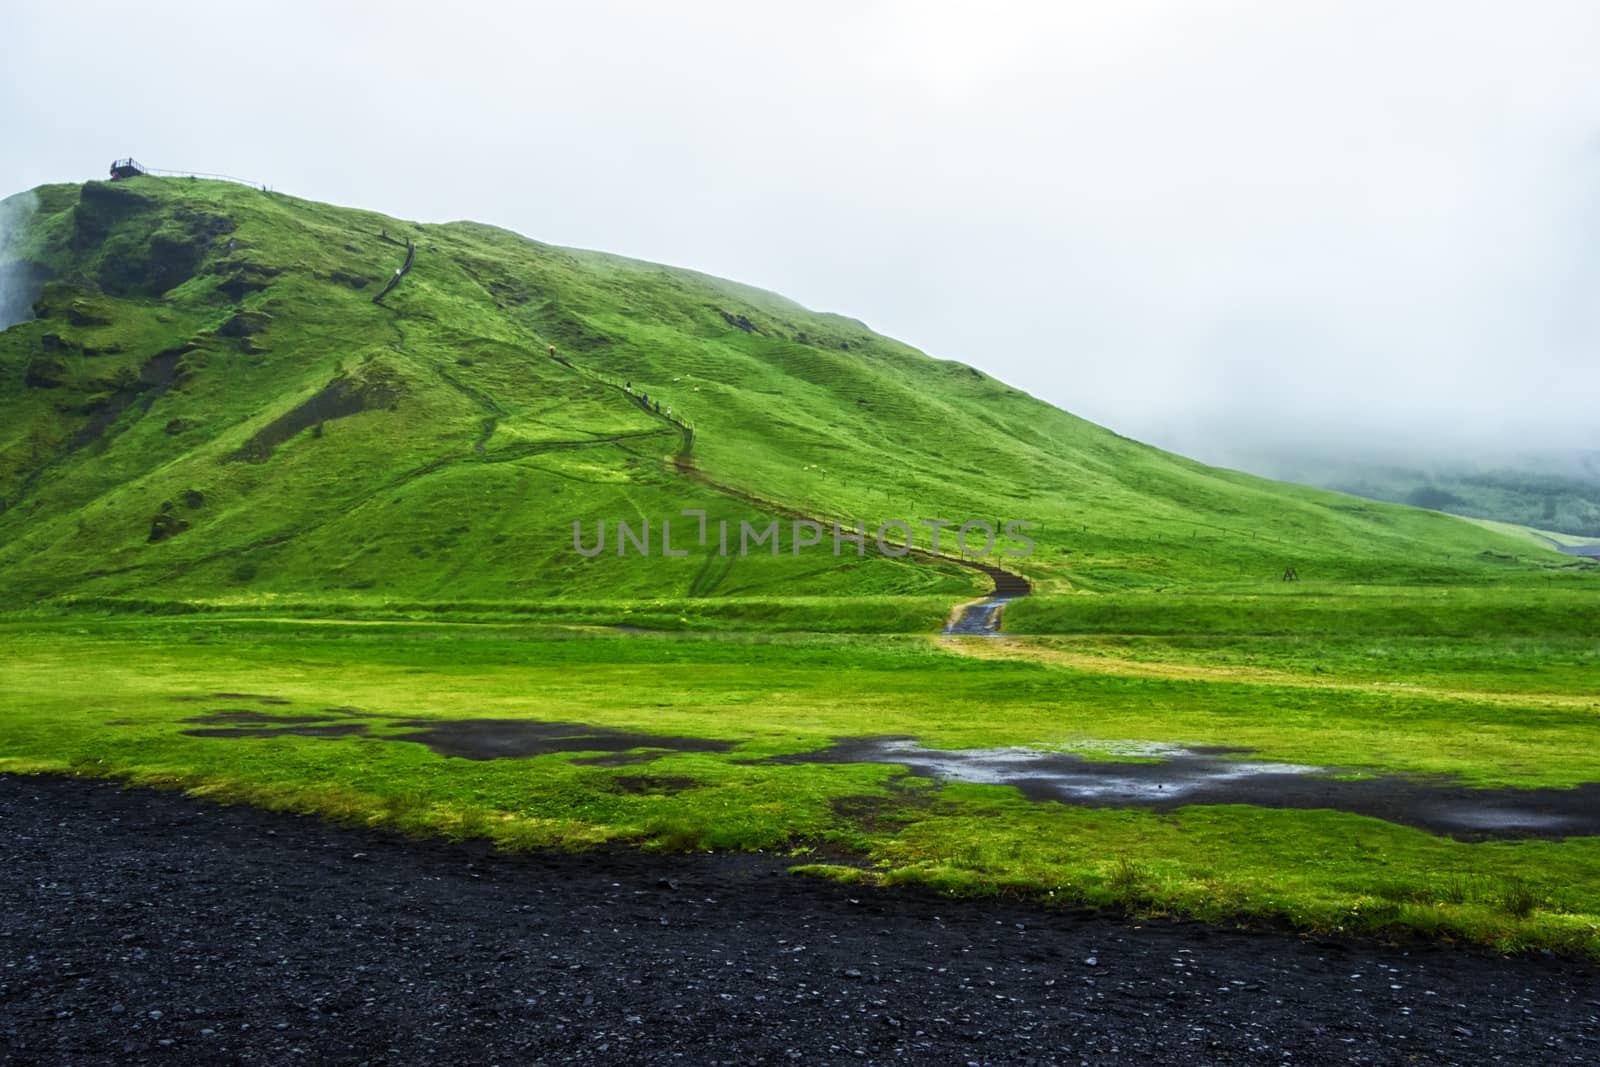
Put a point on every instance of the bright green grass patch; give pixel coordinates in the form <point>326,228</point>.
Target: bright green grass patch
<point>1560,606</point>
<point>1499,665</point>
<point>864,613</point>
<point>95,696</point>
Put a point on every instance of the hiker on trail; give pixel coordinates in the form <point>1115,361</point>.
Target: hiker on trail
<point>552,351</point>
<point>629,388</point>
<point>669,411</point>
<point>658,407</point>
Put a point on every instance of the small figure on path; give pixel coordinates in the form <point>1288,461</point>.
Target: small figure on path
<point>1290,575</point>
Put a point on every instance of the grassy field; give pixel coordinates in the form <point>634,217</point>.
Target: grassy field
<point>224,469</point>
<point>103,695</point>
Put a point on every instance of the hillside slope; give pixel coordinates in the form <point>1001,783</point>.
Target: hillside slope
<point>209,403</point>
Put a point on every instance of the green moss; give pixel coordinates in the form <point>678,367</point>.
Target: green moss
<point>115,714</point>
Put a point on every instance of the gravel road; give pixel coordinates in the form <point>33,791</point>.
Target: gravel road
<point>138,926</point>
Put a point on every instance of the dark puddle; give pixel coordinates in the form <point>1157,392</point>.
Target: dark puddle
<point>335,729</point>
<point>1177,777</point>
<point>619,759</point>
<point>476,739</point>
<point>248,722</point>
<point>486,739</point>
<point>645,784</point>
<point>245,717</point>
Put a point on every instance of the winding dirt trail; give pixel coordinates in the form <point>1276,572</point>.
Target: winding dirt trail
<point>405,268</point>
<point>977,617</point>
<point>983,614</point>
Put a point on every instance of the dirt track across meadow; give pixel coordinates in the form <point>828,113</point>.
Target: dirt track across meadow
<point>138,926</point>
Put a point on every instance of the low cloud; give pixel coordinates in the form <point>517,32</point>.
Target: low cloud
<point>1203,225</point>
<point>18,286</point>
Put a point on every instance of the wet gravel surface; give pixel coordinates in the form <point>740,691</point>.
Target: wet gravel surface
<point>145,927</point>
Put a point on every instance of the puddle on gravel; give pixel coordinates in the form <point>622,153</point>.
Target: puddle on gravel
<point>1171,776</point>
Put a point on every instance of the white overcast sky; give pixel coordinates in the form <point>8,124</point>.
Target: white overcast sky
<point>1203,224</point>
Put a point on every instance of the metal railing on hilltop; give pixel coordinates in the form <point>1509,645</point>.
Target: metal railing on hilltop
<point>156,172</point>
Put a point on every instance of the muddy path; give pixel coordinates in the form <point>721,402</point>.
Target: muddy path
<point>1008,585</point>
<point>981,618</point>
<point>401,272</point>
<point>145,927</point>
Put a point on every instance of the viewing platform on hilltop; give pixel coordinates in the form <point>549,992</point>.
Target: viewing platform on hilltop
<point>122,169</point>
<point>127,168</point>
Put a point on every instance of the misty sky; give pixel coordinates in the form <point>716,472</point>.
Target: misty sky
<point>1207,225</point>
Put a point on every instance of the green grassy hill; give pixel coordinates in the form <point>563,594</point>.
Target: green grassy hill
<point>210,405</point>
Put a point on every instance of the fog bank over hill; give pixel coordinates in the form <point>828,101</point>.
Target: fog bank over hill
<point>18,285</point>
<point>1552,489</point>
<point>1375,221</point>
<point>1460,465</point>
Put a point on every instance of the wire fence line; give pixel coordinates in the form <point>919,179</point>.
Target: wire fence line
<point>158,172</point>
